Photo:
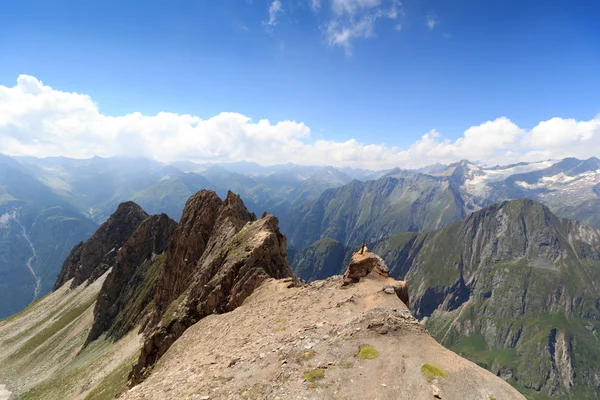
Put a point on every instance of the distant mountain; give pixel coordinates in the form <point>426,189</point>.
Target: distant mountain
<point>369,211</point>
<point>96,185</point>
<point>37,230</point>
<point>170,193</point>
<point>570,187</point>
<point>222,316</point>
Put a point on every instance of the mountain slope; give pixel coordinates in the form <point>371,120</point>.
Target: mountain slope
<point>514,288</point>
<point>130,286</point>
<point>42,355</point>
<point>37,230</point>
<point>369,211</point>
<point>81,340</point>
<point>320,260</point>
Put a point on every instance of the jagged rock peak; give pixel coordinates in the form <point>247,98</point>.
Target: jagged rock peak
<point>131,285</point>
<point>366,264</point>
<point>216,258</point>
<point>89,260</point>
<point>205,221</point>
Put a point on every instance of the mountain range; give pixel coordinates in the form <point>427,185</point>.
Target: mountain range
<point>502,262</point>
<point>40,197</point>
<point>209,308</point>
<point>48,205</point>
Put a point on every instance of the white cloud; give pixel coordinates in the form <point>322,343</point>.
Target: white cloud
<point>274,11</point>
<point>343,33</point>
<point>315,5</point>
<point>354,19</point>
<point>431,22</point>
<point>344,21</point>
<point>38,120</point>
<point>352,6</point>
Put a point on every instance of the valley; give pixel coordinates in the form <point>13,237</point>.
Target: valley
<point>36,278</point>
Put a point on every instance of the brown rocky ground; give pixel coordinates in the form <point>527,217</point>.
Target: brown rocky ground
<point>303,343</point>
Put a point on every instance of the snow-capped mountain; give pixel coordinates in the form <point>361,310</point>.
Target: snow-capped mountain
<point>570,187</point>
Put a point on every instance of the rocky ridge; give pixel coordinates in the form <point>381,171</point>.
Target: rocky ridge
<point>217,257</point>
<point>130,286</point>
<point>324,340</point>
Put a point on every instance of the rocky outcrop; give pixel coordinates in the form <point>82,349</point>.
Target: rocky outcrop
<point>366,264</point>
<point>187,246</point>
<point>131,285</point>
<point>90,260</point>
<point>216,258</point>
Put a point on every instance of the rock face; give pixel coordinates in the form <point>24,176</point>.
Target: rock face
<point>131,285</point>
<point>216,258</point>
<point>513,288</point>
<point>90,260</point>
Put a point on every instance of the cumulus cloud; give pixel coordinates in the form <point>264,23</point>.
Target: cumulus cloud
<point>37,120</point>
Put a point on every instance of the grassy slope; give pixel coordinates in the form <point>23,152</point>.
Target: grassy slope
<point>41,353</point>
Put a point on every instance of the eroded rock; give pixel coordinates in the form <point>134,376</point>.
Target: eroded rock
<point>364,263</point>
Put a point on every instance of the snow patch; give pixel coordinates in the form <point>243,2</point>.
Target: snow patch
<point>561,180</point>
<point>479,184</point>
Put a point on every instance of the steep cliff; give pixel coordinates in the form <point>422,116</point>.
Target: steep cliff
<point>217,257</point>
<point>90,260</point>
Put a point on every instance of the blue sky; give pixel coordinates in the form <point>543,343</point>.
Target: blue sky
<point>443,65</point>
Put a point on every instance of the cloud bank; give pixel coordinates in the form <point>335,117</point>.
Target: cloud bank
<point>40,121</point>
